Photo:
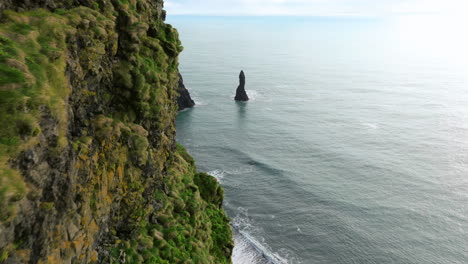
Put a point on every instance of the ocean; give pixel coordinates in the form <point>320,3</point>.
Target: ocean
<point>354,145</point>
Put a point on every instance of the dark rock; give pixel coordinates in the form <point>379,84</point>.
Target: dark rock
<point>29,159</point>
<point>241,95</point>
<point>184,100</point>
<point>154,219</point>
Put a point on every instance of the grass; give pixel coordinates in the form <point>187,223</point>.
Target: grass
<point>190,228</point>
<point>9,75</point>
<point>30,80</point>
<point>33,47</point>
<point>209,188</point>
<point>21,28</point>
<point>12,190</point>
<point>180,223</point>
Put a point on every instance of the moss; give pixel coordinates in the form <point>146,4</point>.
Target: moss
<point>92,202</point>
<point>26,126</point>
<point>123,77</point>
<point>30,83</point>
<point>29,80</point>
<point>209,188</point>
<point>183,152</point>
<point>158,208</point>
<point>96,6</point>
<point>139,146</point>
<point>12,190</point>
<point>60,11</point>
<point>221,234</point>
<point>47,206</point>
<point>188,228</point>
<point>4,253</point>
<point>146,242</point>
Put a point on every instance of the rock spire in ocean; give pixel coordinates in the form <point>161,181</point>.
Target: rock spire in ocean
<point>241,95</point>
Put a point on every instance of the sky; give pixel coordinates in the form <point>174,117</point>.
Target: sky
<point>368,8</point>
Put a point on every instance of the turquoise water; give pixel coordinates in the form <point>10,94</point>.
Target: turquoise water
<point>354,145</point>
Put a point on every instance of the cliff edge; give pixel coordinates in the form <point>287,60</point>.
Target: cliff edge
<point>89,168</point>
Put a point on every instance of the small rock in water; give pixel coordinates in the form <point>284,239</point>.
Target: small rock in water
<point>241,95</point>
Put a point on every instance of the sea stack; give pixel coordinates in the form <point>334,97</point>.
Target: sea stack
<point>241,95</point>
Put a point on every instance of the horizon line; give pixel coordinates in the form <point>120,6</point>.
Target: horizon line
<point>350,15</point>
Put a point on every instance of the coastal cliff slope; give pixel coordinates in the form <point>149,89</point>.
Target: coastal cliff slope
<point>89,168</point>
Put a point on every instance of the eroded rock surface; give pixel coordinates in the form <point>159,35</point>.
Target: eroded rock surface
<point>241,94</point>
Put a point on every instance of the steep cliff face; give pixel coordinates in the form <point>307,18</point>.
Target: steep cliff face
<point>89,168</point>
<point>184,100</point>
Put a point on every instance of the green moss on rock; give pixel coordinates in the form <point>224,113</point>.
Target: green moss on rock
<point>87,142</point>
<point>176,235</point>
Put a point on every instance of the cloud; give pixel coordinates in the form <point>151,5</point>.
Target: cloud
<point>314,7</point>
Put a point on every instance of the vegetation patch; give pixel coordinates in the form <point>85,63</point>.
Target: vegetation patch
<point>190,227</point>
<point>126,171</point>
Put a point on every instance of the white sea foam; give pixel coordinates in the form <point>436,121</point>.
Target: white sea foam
<point>186,109</point>
<point>241,170</point>
<point>371,126</point>
<point>198,101</point>
<point>244,253</point>
<point>253,94</point>
<point>298,229</point>
<point>218,174</point>
<point>248,249</point>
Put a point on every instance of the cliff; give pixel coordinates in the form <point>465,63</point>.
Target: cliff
<point>183,100</point>
<point>89,168</point>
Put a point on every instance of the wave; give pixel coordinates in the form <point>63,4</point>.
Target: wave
<point>371,125</point>
<point>218,174</point>
<point>198,100</point>
<point>199,103</point>
<point>247,249</point>
<point>250,247</point>
<point>253,94</point>
<point>248,162</point>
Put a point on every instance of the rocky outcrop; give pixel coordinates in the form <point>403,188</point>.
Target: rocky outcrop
<point>183,100</point>
<point>101,5</point>
<point>241,95</point>
<point>89,168</point>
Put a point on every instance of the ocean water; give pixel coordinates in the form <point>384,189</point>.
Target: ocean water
<point>354,145</point>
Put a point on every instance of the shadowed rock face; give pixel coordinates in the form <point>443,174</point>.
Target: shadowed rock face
<point>184,100</point>
<point>241,95</point>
